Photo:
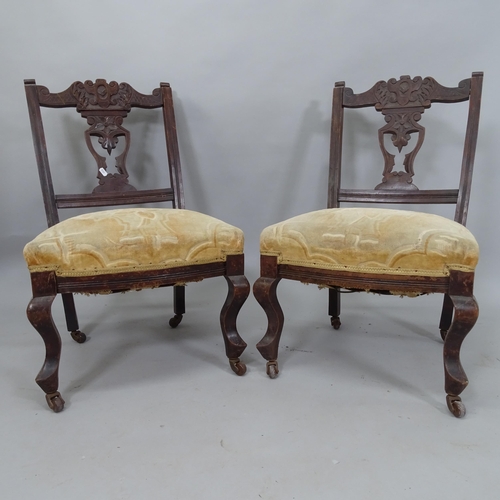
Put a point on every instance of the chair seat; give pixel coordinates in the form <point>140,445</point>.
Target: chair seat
<point>372,240</point>
<point>132,239</point>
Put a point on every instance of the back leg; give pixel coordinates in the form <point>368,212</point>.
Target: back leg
<point>334,307</point>
<point>72,319</point>
<point>179,305</point>
<point>446,315</point>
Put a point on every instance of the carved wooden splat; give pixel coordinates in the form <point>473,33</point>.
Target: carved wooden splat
<point>402,103</point>
<point>105,105</point>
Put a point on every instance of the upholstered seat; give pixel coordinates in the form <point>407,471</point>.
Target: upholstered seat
<point>130,240</point>
<point>372,240</point>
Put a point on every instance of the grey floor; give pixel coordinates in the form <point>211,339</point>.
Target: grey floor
<point>156,413</point>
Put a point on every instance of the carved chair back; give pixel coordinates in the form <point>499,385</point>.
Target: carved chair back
<point>105,106</point>
<point>402,102</point>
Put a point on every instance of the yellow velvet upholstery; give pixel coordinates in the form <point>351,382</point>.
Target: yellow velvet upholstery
<point>132,239</point>
<point>372,240</point>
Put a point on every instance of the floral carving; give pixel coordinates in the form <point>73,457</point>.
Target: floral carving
<point>400,125</point>
<point>404,92</point>
<point>402,102</point>
<point>108,129</point>
<point>105,106</point>
<point>102,95</point>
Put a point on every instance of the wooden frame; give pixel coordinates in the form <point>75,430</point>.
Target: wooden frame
<point>407,99</point>
<point>105,106</point>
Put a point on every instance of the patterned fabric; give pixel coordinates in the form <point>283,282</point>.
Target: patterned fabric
<point>372,240</point>
<point>132,239</point>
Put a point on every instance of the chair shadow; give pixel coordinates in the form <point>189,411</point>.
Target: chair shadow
<point>312,123</point>
<point>340,347</point>
<point>191,165</point>
<point>187,338</point>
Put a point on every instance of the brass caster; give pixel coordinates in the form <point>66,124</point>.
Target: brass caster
<point>55,402</point>
<point>443,334</point>
<point>237,366</point>
<point>336,322</point>
<point>456,406</point>
<point>272,369</point>
<point>175,320</point>
<point>78,336</point>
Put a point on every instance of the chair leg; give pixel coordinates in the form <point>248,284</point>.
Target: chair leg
<point>334,307</point>
<point>179,305</point>
<point>465,315</point>
<point>40,316</point>
<point>238,291</point>
<point>446,316</point>
<point>72,318</point>
<point>264,290</point>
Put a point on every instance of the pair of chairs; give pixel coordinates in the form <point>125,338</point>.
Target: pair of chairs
<point>345,249</point>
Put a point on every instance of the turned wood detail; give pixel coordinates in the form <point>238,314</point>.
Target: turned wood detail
<point>402,102</point>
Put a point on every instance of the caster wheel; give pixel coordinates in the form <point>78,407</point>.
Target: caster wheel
<point>55,402</point>
<point>175,320</point>
<point>336,322</point>
<point>78,336</point>
<point>443,334</point>
<point>272,369</point>
<point>456,406</point>
<point>238,367</point>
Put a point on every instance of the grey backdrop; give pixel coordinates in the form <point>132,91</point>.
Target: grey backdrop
<point>252,84</point>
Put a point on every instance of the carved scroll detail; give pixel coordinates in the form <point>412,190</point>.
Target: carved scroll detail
<point>400,125</point>
<point>402,103</point>
<point>405,92</point>
<point>105,105</point>
<point>102,95</point>
<point>108,129</point>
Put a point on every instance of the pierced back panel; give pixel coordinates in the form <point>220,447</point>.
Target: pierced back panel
<point>402,103</point>
<point>105,106</point>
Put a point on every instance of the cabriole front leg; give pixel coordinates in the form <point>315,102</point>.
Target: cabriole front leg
<point>238,291</point>
<point>264,290</point>
<point>465,315</point>
<point>40,316</point>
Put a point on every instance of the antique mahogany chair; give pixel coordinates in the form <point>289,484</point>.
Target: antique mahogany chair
<point>122,249</point>
<point>383,250</point>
